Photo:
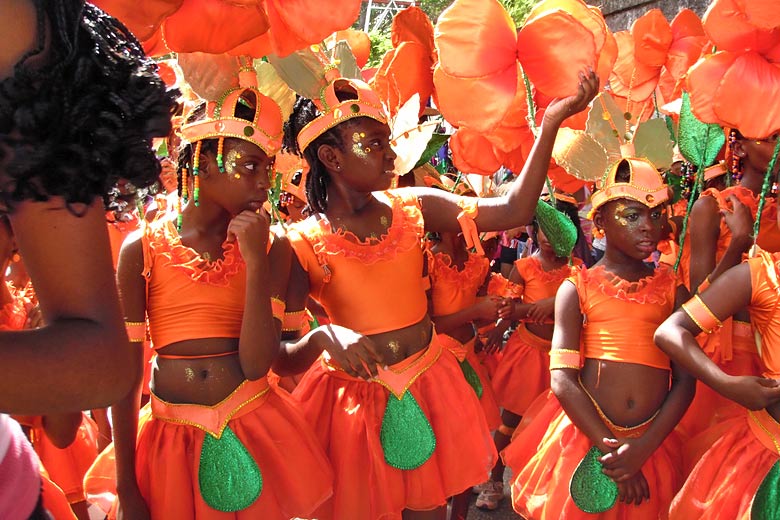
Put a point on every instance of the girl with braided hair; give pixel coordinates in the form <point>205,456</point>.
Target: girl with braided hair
<point>402,427</point>
<point>79,104</point>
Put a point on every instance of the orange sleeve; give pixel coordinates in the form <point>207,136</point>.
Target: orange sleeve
<point>303,249</point>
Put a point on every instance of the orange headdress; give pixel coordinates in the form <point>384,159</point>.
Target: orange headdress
<point>645,185</point>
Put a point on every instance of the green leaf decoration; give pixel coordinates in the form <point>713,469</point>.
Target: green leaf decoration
<point>407,437</point>
<point>229,477</point>
<point>766,502</point>
<point>590,489</point>
<point>699,142</point>
<point>557,227</point>
<point>472,378</point>
<point>436,142</point>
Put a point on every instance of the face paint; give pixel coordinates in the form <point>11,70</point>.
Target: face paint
<point>619,216</point>
<point>357,145</point>
<point>232,158</point>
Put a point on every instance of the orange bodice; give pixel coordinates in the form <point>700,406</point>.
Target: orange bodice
<point>765,308</point>
<point>453,290</point>
<point>370,286</point>
<point>620,317</point>
<point>539,284</point>
<point>189,297</point>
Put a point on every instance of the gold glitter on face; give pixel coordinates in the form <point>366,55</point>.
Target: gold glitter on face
<point>357,145</point>
<point>619,214</point>
<point>233,156</point>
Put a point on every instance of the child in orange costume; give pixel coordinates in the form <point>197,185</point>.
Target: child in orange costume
<point>737,476</point>
<point>523,373</point>
<point>609,433</point>
<point>719,241</point>
<point>216,440</point>
<point>456,277</point>
<point>362,258</point>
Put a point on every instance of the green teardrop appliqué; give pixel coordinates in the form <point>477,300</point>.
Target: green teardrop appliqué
<point>591,490</point>
<point>228,476</point>
<point>472,378</point>
<point>766,502</point>
<point>407,437</point>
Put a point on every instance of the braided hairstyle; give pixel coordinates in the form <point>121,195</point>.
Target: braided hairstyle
<point>75,125</point>
<point>304,112</point>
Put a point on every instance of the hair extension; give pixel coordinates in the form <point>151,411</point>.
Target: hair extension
<point>85,119</point>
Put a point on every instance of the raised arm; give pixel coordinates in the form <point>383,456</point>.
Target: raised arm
<point>440,208</point>
<point>81,358</point>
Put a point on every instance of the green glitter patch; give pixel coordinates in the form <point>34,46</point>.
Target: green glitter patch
<point>766,503</point>
<point>228,476</point>
<point>472,378</point>
<point>591,490</point>
<point>407,437</point>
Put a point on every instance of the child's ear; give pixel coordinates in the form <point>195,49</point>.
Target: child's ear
<point>598,220</point>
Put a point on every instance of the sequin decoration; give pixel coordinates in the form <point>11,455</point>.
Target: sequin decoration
<point>766,502</point>
<point>591,490</point>
<point>229,477</point>
<point>407,437</point>
<point>471,377</point>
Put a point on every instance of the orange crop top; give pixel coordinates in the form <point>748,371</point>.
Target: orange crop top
<point>539,284</point>
<point>189,297</point>
<point>764,308</point>
<point>453,290</point>
<point>768,234</point>
<point>620,317</point>
<point>371,286</point>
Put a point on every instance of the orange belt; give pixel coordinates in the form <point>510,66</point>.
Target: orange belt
<point>460,350</point>
<point>213,419</point>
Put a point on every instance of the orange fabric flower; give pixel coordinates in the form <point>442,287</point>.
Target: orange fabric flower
<point>734,86</point>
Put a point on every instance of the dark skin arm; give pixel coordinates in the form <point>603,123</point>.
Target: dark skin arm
<point>677,337</point>
<point>705,230</point>
<point>132,287</point>
<point>82,351</point>
<point>485,308</point>
<point>441,209</point>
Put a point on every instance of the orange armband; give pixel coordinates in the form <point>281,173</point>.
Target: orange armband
<point>297,321</point>
<point>136,331</point>
<point>277,308</point>
<point>701,315</point>
<point>564,358</point>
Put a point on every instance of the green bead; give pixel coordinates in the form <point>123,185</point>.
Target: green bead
<point>766,502</point>
<point>407,437</point>
<point>590,489</point>
<point>472,378</point>
<point>228,476</point>
<point>355,108</point>
<point>249,131</point>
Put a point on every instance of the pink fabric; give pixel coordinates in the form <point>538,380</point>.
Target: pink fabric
<point>20,479</point>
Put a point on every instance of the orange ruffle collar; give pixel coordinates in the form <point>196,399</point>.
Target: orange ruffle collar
<point>555,276</point>
<point>473,272</point>
<point>405,232</point>
<point>652,289</point>
<point>166,243</point>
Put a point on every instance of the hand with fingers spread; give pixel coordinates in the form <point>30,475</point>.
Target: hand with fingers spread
<point>634,490</point>
<point>625,458</point>
<point>561,108</point>
<point>357,354</point>
<point>250,230</point>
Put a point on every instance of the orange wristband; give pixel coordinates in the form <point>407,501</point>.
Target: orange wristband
<point>277,308</point>
<point>295,321</point>
<point>564,358</point>
<point>701,315</point>
<point>136,331</point>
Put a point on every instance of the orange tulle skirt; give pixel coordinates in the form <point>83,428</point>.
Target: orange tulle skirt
<point>726,478</point>
<point>347,414</point>
<point>524,371</point>
<point>547,450</point>
<point>296,475</point>
<point>488,399</point>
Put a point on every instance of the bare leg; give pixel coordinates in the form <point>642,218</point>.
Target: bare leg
<point>502,440</point>
<point>459,506</point>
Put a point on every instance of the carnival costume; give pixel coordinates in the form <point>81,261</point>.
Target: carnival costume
<point>523,373</point>
<point>557,474</point>
<point>736,478</point>
<point>453,290</point>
